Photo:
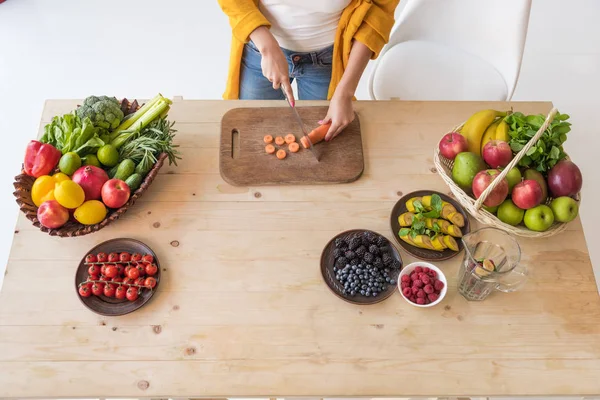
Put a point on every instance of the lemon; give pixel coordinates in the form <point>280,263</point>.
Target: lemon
<point>42,189</point>
<point>91,159</point>
<point>59,177</point>
<point>108,155</point>
<point>91,212</point>
<point>69,163</point>
<point>69,194</point>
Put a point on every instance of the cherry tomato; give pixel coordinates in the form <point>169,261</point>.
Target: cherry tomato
<point>117,279</point>
<point>111,271</point>
<point>120,269</point>
<point>151,269</point>
<point>150,282</point>
<point>94,270</point>
<point>98,289</point>
<point>91,258</point>
<point>133,273</point>
<point>103,270</point>
<point>128,281</point>
<point>121,292</point>
<point>148,258</point>
<point>141,269</point>
<point>113,257</point>
<point>124,257</point>
<point>88,284</point>
<point>140,281</point>
<point>93,277</point>
<point>104,278</point>
<point>84,291</point>
<point>126,271</point>
<point>136,257</point>
<point>132,294</point>
<point>109,290</point>
<point>101,257</point>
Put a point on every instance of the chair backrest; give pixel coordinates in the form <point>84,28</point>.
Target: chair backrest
<point>494,30</point>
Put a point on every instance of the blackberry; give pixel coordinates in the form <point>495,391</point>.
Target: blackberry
<point>354,242</point>
<point>368,257</point>
<point>381,241</point>
<point>337,253</point>
<point>361,251</point>
<point>378,263</point>
<point>341,262</point>
<point>354,261</point>
<point>369,237</point>
<point>384,249</point>
<point>339,242</point>
<point>387,259</point>
<point>373,249</point>
<point>350,254</point>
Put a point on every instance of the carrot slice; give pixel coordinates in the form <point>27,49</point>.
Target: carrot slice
<point>294,147</point>
<point>279,141</point>
<point>268,139</point>
<point>316,135</point>
<point>290,138</point>
<point>270,149</point>
<point>281,154</point>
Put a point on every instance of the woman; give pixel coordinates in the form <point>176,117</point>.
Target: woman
<point>324,44</point>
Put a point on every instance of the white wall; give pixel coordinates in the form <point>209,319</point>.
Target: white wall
<point>70,49</point>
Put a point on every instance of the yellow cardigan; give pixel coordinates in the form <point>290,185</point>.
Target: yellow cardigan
<point>368,21</point>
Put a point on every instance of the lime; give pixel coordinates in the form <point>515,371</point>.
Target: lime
<point>108,155</point>
<point>91,159</point>
<point>69,163</point>
<point>69,194</point>
<point>91,212</point>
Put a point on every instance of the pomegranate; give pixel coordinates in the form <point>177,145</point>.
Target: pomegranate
<point>91,179</point>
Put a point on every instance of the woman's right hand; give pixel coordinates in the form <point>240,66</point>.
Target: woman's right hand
<point>273,63</point>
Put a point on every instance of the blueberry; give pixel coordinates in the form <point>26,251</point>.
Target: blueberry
<point>352,284</point>
<point>353,267</point>
<point>363,286</point>
<point>359,270</point>
<point>384,287</point>
<point>387,270</point>
<point>370,284</point>
<point>352,293</point>
<point>344,291</point>
<point>362,292</point>
<point>367,292</point>
<point>361,276</point>
<point>375,294</point>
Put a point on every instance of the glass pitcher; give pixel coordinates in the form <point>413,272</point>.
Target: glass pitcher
<point>491,263</point>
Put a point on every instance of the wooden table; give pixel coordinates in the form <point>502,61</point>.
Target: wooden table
<point>243,311</point>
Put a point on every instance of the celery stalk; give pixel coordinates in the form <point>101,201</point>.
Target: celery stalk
<point>151,115</point>
<point>126,124</point>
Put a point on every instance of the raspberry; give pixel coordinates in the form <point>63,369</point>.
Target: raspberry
<point>418,283</point>
<point>420,300</point>
<point>404,285</point>
<point>426,280</point>
<point>405,278</point>
<point>422,275</point>
<point>433,274</point>
<point>427,301</point>
<point>415,290</point>
<point>407,292</point>
<point>428,289</point>
<point>418,269</point>
<point>414,276</point>
<point>439,285</point>
<point>426,270</point>
<point>420,293</point>
<point>413,299</point>
<point>433,297</point>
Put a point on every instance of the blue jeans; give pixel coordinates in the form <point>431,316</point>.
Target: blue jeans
<point>311,70</point>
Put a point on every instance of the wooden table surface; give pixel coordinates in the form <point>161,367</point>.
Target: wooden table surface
<point>242,309</point>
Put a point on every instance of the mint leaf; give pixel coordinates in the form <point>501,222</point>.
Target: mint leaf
<point>516,146</point>
<point>531,151</point>
<point>431,214</point>
<point>413,234</point>
<point>418,205</point>
<point>403,232</point>
<point>436,202</point>
<point>554,153</point>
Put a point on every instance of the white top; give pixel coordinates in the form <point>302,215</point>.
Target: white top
<point>303,25</point>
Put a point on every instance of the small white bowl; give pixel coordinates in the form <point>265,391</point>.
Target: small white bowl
<point>407,270</point>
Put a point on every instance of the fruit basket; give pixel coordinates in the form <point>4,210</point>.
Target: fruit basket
<point>475,206</point>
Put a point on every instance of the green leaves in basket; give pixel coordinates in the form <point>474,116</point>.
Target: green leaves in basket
<point>548,150</point>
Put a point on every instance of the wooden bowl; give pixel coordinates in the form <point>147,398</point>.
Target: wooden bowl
<point>426,254</point>
<point>328,261</point>
<point>107,305</point>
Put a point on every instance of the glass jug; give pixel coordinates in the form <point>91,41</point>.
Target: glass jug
<point>491,263</point>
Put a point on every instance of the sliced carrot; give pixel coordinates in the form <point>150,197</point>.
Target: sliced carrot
<point>279,141</point>
<point>270,149</point>
<point>290,138</point>
<point>294,147</point>
<point>316,135</point>
<point>281,154</point>
<point>268,139</point>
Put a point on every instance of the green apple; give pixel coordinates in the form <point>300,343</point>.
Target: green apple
<point>539,218</point>
<point>565,209</point>
<point>539,178</point>
<point>513,177</point>
<point>509,213</point>
<point>491,209</point>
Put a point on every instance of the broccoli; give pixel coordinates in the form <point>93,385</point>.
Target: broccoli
<point>105,112</point>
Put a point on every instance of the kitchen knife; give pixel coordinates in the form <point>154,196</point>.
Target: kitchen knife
<point>310,145</point>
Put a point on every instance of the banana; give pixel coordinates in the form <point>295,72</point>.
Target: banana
<point>456,218</point>
<point>502,131</point>
<point>475,127</point>
<point>450,243</point>
<point>423,241</point>
<point>445,226</point>
<point>438,243</point>
<point>409,204</point>
<point>406,219</point>
<point>490,134</point>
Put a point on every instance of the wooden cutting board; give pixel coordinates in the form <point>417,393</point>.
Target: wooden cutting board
<point>244,162</point>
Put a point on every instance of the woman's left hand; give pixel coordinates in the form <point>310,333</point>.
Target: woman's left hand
<point>340,114</point>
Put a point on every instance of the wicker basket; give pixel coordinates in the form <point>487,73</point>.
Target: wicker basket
<point>444,167</point>
<point>23,184</point>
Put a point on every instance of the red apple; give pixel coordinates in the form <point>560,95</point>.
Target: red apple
<point>451,144</point>
<point>564,179</point>
<point>52,215</point>
<point>115,193</point>
<point>497,153</point>
<point>482,180</point>
<point>527,194</point>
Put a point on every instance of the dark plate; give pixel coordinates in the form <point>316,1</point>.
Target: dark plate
<point>327,264</point>
<point>426,254</point>
<point>110,306</point>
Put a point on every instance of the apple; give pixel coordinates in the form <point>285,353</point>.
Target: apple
<point>539,218</point>
<point>497,153</point>
<point>564,179</point>
<point>482,180</point>
<point>52,215</point>
<point>509,213</point>
<point>451,144</point>
<point>527,194</point>
<point>491,210</point>
<point>565,209</point>
<point>539,178</point>
<point>115,193</point>
<point>513,177</point>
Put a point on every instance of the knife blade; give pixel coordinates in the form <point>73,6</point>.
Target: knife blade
<point>295,112</point>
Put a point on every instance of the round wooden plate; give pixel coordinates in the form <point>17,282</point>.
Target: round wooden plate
<point>426,254</point>
<point>328,261</point>
<point>107,305</point>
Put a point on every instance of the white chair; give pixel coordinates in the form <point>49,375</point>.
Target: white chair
<point>453,50</point>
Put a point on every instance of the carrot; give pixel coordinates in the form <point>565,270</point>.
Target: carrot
<point>279,141</point>
<point>294,147</point>
<point>290,138</point>
<point>268,139</point>
<point>316,135</point>
<point>270,149</point>
<point>281,154</point>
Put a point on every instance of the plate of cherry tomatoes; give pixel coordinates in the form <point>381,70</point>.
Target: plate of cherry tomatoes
<point>117,277</point>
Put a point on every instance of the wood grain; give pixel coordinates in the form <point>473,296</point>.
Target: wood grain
<point>242,309</point>
<point>243,160</point>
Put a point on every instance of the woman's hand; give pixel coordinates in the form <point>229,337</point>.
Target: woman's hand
<point>340,114</point>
